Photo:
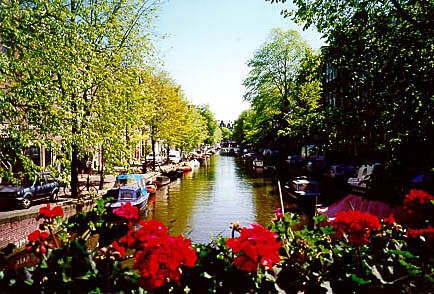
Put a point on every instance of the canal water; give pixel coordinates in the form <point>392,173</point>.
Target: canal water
<point>204,202</point>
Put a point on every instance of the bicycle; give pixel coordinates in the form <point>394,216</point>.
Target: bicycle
<point>88,189</point>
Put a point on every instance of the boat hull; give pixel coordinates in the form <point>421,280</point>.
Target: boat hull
<point>161,181</point>
<point>138,202</point>
<point>130,188</point>
<point>152,189</point>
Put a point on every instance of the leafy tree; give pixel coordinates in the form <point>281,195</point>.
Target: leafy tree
<point>225,134</point>
<point>175,114</point>
<point>31,106</point>
<point>112,37</point>
<point>194,131</point>
<point>244,128</point>
<point>305,121</point>
<point>87,48</point>
<point>271,83</point>
<point>118,120</point>
<point>169,116</point>
<point>218,135</point>
<point>160,93</point>
<point>211,123</point>
<point>383,56</point>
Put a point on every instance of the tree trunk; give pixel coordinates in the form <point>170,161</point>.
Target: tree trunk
<point>74,172</point>
<point>101,175</point>
<point>153,152</point>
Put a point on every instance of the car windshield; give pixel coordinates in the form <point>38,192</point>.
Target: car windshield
<point>29,181</point>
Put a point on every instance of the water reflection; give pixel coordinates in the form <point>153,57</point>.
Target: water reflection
<point>206,200</point>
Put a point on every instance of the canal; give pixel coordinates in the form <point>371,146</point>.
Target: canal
<point>204,202</point>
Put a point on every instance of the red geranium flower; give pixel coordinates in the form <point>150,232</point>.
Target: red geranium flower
<point>426,232</point>
<point>128,240</point>
<point>38,242</point>
<point>127,211</point>
<point>416,199</point>
<point>356,225</point>
<point>255,245</point>
<point>158,256</point>
<point>48,213</point>
<point>37,236</point>
<point>57,211</point>
<point>119,250</point>
<point>389,220</point>
<point>151,233</point>
<point>278,214</point>
<point>162,263</point>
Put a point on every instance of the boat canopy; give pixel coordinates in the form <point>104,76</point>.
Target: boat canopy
<point>131,179</point>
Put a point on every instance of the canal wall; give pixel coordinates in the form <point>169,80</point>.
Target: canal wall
<point>14,229</point>
<point>16,225</point>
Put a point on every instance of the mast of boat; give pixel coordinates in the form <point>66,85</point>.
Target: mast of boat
<point>281,198</point>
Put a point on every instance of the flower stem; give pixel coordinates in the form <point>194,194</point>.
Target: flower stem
<point>56,242</point>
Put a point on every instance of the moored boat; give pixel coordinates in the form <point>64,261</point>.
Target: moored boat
<point>258,163</point>
<point>173,174</point>
<point>184,167</point>
<point>194,163</point>
<point>151,188</point>
<point>161,181</point>
<point>129,188</point>
<point>305,191</point>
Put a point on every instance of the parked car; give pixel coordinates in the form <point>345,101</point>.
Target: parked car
<point>40,187</point>
<point>423,181</point>
<point>294,159</point>
<point>174,156</point>
<point>150,158</point>
<point>340,171</point>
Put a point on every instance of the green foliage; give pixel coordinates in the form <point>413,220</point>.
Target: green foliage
<point>382,57</point>
<point>77,80</point>
<point>194,129</point>
<point>244,131</point>
<point>28,91</point>
<point>313,259</point>
<point>283,88</point>
<point>168,115</point>
<point>305,121</point>
<point>93,86</point>
<point>211,123</point>
<point>226,134</point>
<point>308,253</point>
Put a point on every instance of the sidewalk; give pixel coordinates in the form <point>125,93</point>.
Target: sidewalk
<point>65,199</point>
<point>94,180</point>
<point>16,224</point>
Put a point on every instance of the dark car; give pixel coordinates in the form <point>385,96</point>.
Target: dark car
<point>295,159</point>
<point>41,187</point>
<point>340,171</point>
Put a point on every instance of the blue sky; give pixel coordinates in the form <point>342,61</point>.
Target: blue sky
<point>209,43</point>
